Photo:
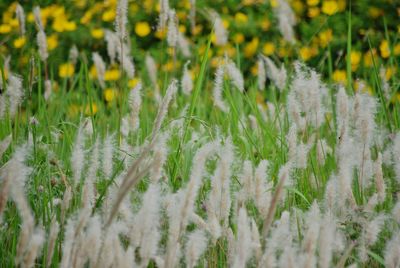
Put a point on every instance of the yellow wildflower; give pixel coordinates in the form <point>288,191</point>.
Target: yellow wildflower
<point>269,48</point>
<point>375,12</point>
<point>241,18</point>
<point>66,70</point>
<point>70,26</point>
<point>52,42</point>
<point>312,2</point>
<point>108,15</point>
<point>97,33</point>
<point>330,7</point>
<point>368,58</point>
<point>19,42</point>
<point>306,53</point>
<point>5,28</point>
<point>111,75</point>
<point>93,72</point>
<point>396,50</point>
<point>251,48</point>
<point>389,72</point>
<point>313,12</point>
<point>384,49</point>
<point>109,94</point>
<point>133,82</point>
<point>355,58</point>
<point>265,25</point>
<point>339,76</point>
<point>325,37</point>
<point>142,28</point>
<point>238,38</point>
<point>91,109</point>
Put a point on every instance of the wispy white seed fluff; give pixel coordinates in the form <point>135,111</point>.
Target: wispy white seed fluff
<point>47,89</point>
<point>218,89</point>
<point>221,34</point>
<point>4,144</point>
<point>107,159</point>
<point>100,68</point>
<point>261,73</point>
<point>219,200</point>
<point>113,45</point>
<point>186,80</point>
<point>135,103</point>
<point>392,251</point>
<point>172,34</point>
<point>286,20</point>
<point>38,18</point>
<point>243,248</point>
<point>42,44</point>
<point>235,75</point>
<point>54,230</point>
<point>277,75</point>
<point>163,17</point>
<point>183,44</point>
<point>162,111</point>
<point>396,156</point>
<point>73,54</point>
<point>78,155</point>
<point>151,67</point>
<point>121,19</point>
<point>195,247</point>
<point>19,10</point>
<point>14,93</point>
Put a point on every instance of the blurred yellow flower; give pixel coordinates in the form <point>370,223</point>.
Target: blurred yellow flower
<point>160,34</point>
<point>355,59</point>
<point>312,2</point>
<point>182,28</point>
<point>313,12</point>
<point>5,28</point>
<point>269,48</point>
<point>66,70</point>
<point>197,29</point>
<point>396,50</point>
<point>384,49</point>
<point>91,109</point>
<point>108,15</point>
<point>109,94</point>
<point>97,33</point>
<point>342,5</point>
<point>111,75</point>
<point>265,25</point>
<point>325,37</point>
<point>133,82</point>
<point>375,12</point>
<point>330,7</point>
<point>52,42</point>
<point>70,26</point>
<point>142,28</point>
<point>73,110</point>
<point>238,38</point>
<point>251,48</point>
<point>298,6</point>
<point>339,76</point>
<point>19,42</point>
<point>241,18</point>
<point>87,17</point>
<point>274,3</point>
<point>361,85</point>
<point>93,72</point>
<point>368,58</point>
<point>307,53</point>
<point>390,71</point>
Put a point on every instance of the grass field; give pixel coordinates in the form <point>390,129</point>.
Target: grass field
<point>200,133</point>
